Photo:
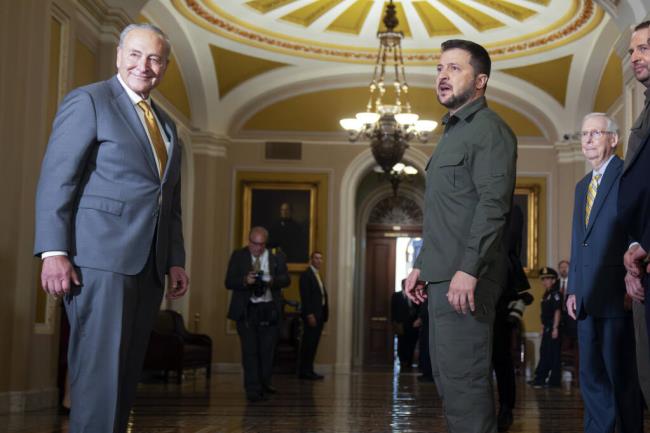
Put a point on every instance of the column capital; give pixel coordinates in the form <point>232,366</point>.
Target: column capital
<point>569,150</point>
<point>210,144</point>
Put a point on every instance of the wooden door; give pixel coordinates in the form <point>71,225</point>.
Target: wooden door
<point>379,286</point>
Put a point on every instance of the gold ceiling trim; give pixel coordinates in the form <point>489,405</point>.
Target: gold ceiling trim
<point>477,19</point>
<point>306,15</point>
<point>351,21</point>
<point>435,21</point>
<point>216,20</point>
<point>520,13</point>
<point>265,6</point>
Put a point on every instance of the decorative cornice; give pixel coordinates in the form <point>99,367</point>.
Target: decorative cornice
<point>585,19</point>
<point>110,20</point>
<point>209,144</point>
<point>569,150</point>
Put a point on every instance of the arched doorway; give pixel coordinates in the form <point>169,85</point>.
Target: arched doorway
<point>393,232</point>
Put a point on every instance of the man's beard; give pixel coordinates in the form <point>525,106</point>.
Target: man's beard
<point>457,101</point>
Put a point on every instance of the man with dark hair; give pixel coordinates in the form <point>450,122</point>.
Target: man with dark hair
<point>314,310</point>
<point>636,254</point>
<point>256,277</point>
<point>470,182</point>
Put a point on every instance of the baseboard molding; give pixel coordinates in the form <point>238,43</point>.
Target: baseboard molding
<point>25,401</point>
<point>226,367</point>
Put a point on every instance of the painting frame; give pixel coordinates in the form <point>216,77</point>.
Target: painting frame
<point>528,194</point>
<point>250,188</point>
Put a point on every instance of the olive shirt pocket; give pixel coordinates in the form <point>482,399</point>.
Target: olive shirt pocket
<point>450,166</point>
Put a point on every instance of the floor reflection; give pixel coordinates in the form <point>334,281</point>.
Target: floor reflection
<point>359,402</point>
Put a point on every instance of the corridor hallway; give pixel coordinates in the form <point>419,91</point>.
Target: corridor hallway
<point>363,401</point>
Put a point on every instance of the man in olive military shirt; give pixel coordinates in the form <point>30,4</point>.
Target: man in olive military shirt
<point>462,264</point>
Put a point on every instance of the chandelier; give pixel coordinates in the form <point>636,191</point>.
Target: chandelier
<point>389,127</point>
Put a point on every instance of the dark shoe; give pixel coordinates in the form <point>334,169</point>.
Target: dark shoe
<point>270,389</point>
<point>535,384</point>
<point>425,378</point>
<point>309,376</point>
<point>504,421</point>
<point>317,376</point>
<point>254,398</point>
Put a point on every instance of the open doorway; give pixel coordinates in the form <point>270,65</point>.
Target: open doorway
<point>390,252</point>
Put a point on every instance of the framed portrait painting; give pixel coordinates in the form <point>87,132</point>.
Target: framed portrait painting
<point>527,200</point>
<point>288,211</point>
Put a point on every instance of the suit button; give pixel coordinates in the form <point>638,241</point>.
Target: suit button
<point>585,244</point>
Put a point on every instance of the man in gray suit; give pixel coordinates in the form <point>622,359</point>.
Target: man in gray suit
<point>463,262</point>
<point>108,226</point>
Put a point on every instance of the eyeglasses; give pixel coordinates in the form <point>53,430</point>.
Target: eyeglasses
<point>595,134</point>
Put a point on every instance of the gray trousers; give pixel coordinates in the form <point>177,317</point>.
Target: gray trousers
<point>642,349</point>
<point>111,316</point>
<point>461,357</point>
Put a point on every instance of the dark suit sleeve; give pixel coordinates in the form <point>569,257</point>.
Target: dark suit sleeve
<point>176,255</point>
<point>493,174</point>
<point>306,298</point>
<point>74,133</point>
<point>281,277</point>
<point>237,271</point>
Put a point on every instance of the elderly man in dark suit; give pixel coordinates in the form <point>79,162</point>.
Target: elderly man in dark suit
<point>596,295</point>
<point>463,263</point>
<point>314,310</point>
<point>256,276</point>
<point>108,226</point>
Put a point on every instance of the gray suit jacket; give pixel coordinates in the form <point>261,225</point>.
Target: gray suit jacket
<point>99,196</point>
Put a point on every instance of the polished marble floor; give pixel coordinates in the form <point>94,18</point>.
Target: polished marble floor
<point>359,402</point>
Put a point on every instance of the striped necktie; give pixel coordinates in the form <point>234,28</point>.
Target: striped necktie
<point>156,137</point>
<point>591,196</point>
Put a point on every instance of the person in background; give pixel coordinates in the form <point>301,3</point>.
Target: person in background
<point>549,351</point>
<point>256,277</point>
<point>406,325</point>
<point>314,309</point>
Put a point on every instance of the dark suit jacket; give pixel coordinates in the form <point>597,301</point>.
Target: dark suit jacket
<point>634,196</point>
<point>596,271</point>
<point>311,299</point>
<point>239,266</point>
<point>100,197</point>
<point>401,311</point>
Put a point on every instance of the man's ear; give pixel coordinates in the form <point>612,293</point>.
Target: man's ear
<point>481,81</point>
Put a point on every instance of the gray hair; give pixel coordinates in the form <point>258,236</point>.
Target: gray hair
<point>150,27</point>
<point>611,124</point>
<point>259,229</point>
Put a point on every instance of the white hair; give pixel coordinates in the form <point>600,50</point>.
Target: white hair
<point>150,27</point>
<point>611,124</point>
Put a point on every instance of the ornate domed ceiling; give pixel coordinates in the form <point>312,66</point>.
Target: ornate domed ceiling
<point>345,30</point>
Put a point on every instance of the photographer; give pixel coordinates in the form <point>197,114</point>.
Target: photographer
<point>256,277</point>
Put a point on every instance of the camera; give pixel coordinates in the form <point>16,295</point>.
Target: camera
<point>259,286</point>
<point>517,306</point>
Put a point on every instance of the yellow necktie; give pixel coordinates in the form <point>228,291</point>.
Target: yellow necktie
<point>591,196</point>
<point>156,137</point>
<point>256,264</point>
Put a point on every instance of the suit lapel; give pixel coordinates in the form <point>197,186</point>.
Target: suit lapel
<point>636,153</point>
<point>603,190</point>
<point>126,108</point>
<point>168,130</point>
